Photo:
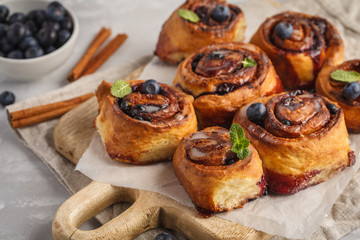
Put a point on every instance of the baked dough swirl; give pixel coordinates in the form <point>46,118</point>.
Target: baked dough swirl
<point>333,90</point>
<point>215,75</point>
<point>150,126</point>
<point>180,37</point>
<point>314,43</point>
<point>301,142</point>
<point>212,175</point>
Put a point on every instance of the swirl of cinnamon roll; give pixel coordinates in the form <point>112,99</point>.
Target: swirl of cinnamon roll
<point>215,179</point>
<point>299,45</point>
<point>302,140</point>
<point>143,128</point>
<point>218,22</point>
<point>334,90</point>
<point>219,79</point>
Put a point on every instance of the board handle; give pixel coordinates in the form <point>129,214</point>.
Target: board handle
<point>148,210</point>
<point>93,199</point>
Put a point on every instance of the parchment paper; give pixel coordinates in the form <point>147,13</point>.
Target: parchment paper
<point>343,217</point>
<point>293,216</point>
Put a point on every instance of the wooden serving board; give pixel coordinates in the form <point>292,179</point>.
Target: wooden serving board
<point>72,136</point>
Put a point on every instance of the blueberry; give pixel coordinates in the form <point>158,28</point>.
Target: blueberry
<point>55,11</point>
<point>150,86</point>
<point>38,16</point>
<point>31,26</point>
<point>3,29</point>
<point>286,122</point>
<point>28,42</point>
<point>284,30</point>
<point>4,12</point>
<point>139,108</point>
<point>15,54</point>
<point>16,33</point>
<point>256,113</point>
<point>351,91</point>
<point>46,37</point>
<point>17,17</point>
<point>5,45</point>
<point>124,106</point>
<point>50,49</point>
<point>164,236</point>
<point>62,38</point>
<point>52,25</point>
<point>67,24</point>
<point>332,108</point>
<point>220,13</point>
<point>33,52</point>
<point>7,98</point>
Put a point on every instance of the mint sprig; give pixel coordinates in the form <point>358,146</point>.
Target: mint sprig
<point>120,88</point>
<point>188,15</point>
<point>345,76</point>
<point>247,62</point>
<point>239,141</point>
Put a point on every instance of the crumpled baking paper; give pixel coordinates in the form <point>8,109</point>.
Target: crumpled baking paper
<point>292,216</point>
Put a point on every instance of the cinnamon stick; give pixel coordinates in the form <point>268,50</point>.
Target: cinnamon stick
<point>43,117</point>
<point>46,112</point>
<point>29,112</point>
<point>99,39</point>
<point>104,54</point>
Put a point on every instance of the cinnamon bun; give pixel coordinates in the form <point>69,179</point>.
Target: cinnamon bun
<point>299,45</point>
<point>221,81</point>
<point>301,139</point>
<point>143,128</point>
<point>217,22</point>
<point>336,91</point>
<point>213,176</point>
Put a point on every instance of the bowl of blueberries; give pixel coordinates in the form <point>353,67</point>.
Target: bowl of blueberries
<point>36,37</point>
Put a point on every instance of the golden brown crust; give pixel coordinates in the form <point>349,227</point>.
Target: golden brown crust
<point>141,142</point>
<point>212,184</point>
<point>314,43</point>
<point>296,161</point>
<point>211,78</point>
<point>333,90</point>
<point>179,37</point>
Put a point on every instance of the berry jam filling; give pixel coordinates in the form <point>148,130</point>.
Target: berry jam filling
<point>296,114</point>
<point>149,107</point>
<point>210,148</point>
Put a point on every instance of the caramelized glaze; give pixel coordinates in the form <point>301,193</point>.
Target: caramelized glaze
<point>313,40</point>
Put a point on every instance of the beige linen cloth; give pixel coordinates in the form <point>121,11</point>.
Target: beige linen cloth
<point>345,214</point>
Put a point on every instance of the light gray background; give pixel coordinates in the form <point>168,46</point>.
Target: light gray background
<point>29,193</point>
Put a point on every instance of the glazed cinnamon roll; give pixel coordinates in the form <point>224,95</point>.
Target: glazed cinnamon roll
<point>213,176</point>
<point>301,138</point>
<point>299,45</point>
<point>221,81</point>
<point>217,22</point>
<point>140,127</point>
<point>346,94</point>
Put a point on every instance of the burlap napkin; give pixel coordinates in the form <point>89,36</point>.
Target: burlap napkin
<point>345,214</point>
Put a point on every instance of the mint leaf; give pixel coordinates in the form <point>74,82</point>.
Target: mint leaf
<point>120,89</point>
<point>244,153</point>
<point>247,62</point>
<point>188,15</point>
<point>236,133</point>
<point>240,143</point>
<point>345,76</point>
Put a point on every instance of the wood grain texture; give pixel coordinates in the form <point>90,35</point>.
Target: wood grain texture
<point>72,136</point>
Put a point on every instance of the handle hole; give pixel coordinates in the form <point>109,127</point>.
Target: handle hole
<point>105,216</point>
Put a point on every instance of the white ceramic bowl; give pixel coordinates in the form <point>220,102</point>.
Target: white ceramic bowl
<point>35,68</point>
